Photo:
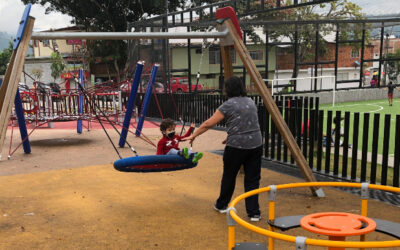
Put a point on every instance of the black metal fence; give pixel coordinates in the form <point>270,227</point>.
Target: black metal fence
<point>346,148</point>
<point>189,107</point>
<point>329,147</point>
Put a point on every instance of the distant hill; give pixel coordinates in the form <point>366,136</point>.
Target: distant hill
<point>5,38</point>
<point>392,31</point>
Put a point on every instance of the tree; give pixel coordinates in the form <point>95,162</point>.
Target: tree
<point>107,15</point>
<point>57,65</point>
<point>37,73</point>
<point>340,9</point>
<point>306,36</point>
<point>5,56</point>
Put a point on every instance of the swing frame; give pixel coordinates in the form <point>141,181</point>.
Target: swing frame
<point>230,33</point>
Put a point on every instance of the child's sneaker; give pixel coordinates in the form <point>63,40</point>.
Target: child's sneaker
<point>197,157</point>
<point>185,153</point>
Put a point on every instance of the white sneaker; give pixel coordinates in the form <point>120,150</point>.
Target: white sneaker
<point>256,217</point>
<point>222,210</point>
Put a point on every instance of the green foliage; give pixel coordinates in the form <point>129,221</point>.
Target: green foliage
<point>306,37</point>
<point>37,73</point>
<point>107,15</point>
<point>5,56</point>
<point>57,65</point>
<point>341,9</point>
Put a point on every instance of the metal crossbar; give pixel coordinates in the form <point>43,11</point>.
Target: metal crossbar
<point>126,35</point>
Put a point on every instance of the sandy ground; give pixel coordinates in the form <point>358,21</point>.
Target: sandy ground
<point>67,195</point>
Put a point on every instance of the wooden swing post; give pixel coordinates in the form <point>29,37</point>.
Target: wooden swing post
<point>235,39</point>
<point>9,87</point>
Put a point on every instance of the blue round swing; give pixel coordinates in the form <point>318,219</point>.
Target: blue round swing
<point>153,163</point>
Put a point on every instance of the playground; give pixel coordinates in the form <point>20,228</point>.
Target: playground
<point>67,193</point>
<point>50,202</point>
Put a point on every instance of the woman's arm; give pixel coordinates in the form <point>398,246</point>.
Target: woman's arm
<point>211,122</point>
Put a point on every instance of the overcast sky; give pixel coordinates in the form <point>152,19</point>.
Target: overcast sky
<point>11,12</point>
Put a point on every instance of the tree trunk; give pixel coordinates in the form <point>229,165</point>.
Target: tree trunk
<point>117,70</point>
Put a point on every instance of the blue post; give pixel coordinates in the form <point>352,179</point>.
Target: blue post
<point>21,123</point>
<point>17,101</point>
<point>146,100</point>
<point>80,102</point>
<point>131,104</point>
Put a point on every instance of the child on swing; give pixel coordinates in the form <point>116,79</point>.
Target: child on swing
<point>169,143</point>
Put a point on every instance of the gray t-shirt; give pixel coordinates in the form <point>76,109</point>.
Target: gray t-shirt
<point>242,123</point>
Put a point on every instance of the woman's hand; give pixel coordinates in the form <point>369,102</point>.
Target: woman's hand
<point>192,125</point>
<point>190,139</point>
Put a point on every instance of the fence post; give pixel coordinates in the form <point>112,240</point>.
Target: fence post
<point>337,121</point>
<point>305,127</point>
<point>328,142</point>
<point>292,124</point>
<point>287,110</point>
<point>320,137</point>
<point>279,139</point>
<point>355,146</point>
<point>345,143</point>
<point>396,166</point>
<point>364,148</point>
<point>267,134</point>
<point>375,138</point>
<point>385,150</point>
<point>299,109</point>
<point>311,140</point>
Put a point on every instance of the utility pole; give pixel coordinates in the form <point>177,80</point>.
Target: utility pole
<point>386,57</point>
<point>167,45</point>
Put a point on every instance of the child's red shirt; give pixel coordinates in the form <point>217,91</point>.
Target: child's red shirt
<point>165,144</point>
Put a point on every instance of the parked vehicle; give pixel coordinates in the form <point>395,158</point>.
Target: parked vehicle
<point>181,84</point>
<point>158,87</point>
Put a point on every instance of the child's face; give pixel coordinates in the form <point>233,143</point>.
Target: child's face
<point>169,130</point>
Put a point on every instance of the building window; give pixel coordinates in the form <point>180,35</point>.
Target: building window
<point>355,53</point>
<point>256,55</point>
<point>46,43</point>
<point>210,76</point>
<point>183,81</point>
<point>214,56</point>
<point>342,76</point>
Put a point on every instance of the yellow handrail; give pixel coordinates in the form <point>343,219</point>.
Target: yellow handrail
<point>310,241</point>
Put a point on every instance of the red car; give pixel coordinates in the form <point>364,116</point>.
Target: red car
<point>181,84</point>
<point>158,87</point>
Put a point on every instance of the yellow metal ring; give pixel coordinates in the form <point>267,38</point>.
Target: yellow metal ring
<point>310,241</point>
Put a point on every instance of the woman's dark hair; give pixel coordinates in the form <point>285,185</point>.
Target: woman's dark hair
<point>166,123</point>
<point>234,87</point>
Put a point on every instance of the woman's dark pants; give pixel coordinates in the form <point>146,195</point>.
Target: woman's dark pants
<point>251,161</point>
